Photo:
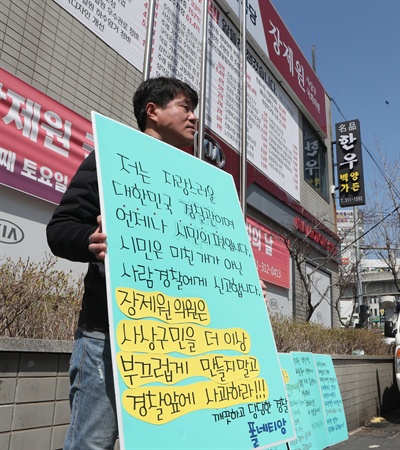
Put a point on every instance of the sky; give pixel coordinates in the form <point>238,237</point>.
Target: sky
<point>357,52</point>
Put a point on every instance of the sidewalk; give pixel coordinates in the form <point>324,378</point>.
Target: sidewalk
<point>382,433</point>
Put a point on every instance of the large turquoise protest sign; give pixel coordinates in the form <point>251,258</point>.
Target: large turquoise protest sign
<point>195,363</point>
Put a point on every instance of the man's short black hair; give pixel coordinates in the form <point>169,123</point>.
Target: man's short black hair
<point>160,90</point>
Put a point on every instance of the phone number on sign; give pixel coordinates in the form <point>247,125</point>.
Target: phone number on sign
<point>270,270</point>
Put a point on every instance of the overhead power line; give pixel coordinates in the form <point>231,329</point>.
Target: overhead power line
<point>397,208</point>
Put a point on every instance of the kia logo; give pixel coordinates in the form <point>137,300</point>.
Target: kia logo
<point>10,233</point>
<point>212,150</point>
<point>273,304</point>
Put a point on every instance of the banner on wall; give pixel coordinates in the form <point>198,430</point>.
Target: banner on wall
<point>122,25</point>
<point>42,141</point>
<point>273,143</point>
<point>272,118</point>
<point>271,35</point>
<point>270,252</point>
<point>191,339</point>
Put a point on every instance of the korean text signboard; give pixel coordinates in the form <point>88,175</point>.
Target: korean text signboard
<point>271,255</point>
<point>314,157</point>
<point>177,37</point>
<point>273,138</point>
<point>349,162</point>
<point>42,141</point>
<point>275,40</point>
<point>120,24</point>
<point>190,334</point>
<point>272,117</point>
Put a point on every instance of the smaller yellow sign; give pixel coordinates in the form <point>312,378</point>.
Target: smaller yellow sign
<point>138,369</point>
<point>162,404</point>
<point>157,337</point>
<point>140,304</point>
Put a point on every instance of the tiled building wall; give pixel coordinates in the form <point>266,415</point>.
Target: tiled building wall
<point>46,47</point>
<point>34,406</point>
<point>368,387</point>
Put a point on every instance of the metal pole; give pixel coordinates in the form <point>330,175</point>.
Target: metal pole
<point>358,261</point>
<point>314,61</point>
<point>243,172</point>
<point>203,67</point>
<point>149,39</point>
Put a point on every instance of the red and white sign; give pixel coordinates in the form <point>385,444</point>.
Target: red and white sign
<point>270,33</point>
<point>270,253</point>
<point>42,142</point>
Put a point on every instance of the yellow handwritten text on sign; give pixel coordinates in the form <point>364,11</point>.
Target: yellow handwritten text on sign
<point>285,376</point>
<point>140,304</point>
<point>156,337</point>
<point>138,369</point>
<point>162,404</point>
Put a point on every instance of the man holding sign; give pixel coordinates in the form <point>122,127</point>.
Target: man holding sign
<point>164,109</point>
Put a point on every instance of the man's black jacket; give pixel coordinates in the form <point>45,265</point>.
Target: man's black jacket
<point>68,231</point>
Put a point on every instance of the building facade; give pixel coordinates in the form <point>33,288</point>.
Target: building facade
<point>74,57</point>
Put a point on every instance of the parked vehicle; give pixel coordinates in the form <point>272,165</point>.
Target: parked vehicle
<point>397,352</point>
<point>392,330</point>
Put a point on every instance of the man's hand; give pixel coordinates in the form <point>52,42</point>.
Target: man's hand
<point>264,289</point>
<point>97,242</point>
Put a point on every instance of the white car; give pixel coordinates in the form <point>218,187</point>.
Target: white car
<point>397,352</point>
<point>392,333</point>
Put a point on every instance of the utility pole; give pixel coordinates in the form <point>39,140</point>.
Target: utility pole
<point>361,312</point>
<point>314,61</point>
<point>243,146</point>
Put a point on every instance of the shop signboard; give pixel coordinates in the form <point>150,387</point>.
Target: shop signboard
<point>349,164</point>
